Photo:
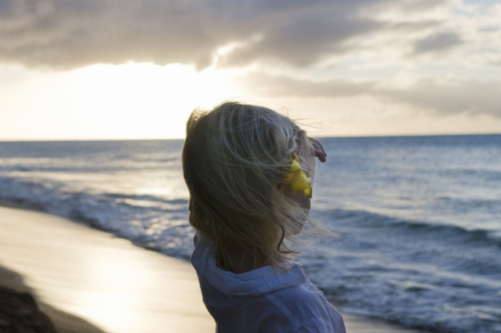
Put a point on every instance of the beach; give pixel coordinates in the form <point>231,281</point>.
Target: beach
<point>87,280</point>
<point>103,280</point>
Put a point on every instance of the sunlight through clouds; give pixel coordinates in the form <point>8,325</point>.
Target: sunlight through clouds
<point>110,101</point>
<point>97,69</point>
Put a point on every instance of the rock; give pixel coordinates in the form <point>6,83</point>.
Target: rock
<point>19,313</point>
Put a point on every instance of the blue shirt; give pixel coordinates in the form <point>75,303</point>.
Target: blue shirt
<point>263,300</point>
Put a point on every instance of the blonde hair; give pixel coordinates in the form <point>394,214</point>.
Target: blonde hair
<point>235,160</point>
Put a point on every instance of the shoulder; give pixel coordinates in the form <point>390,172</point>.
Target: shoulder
<point>301,295</point>
<point>307,310</point>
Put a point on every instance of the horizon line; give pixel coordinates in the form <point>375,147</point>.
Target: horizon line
<point>180,139</point>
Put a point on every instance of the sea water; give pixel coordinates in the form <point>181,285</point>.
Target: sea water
<point>418,219</point>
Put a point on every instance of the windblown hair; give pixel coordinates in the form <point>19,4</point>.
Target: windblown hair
<point>235,161</point>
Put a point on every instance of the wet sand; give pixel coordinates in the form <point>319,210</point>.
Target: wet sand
<point>87,280</point>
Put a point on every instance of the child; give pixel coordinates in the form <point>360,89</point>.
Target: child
<point>247,170</point>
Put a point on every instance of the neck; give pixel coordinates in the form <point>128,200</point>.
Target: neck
<point>238,260</point>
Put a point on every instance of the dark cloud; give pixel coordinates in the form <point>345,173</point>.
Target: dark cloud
<point>285,86</point>
<point>413,6</point>
<point>438,42</point>
<point>403,27</point>
<point>447,97</point>
<point>307,35</point>
<point>64,34</point>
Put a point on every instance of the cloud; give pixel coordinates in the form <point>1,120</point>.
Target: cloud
<point>434,96</point>
<point>450,97</point>
<point>67,34</point>
<point>438,42</point>
<point>284,86</point>
<point>63,34</point>
<point>307,35</point>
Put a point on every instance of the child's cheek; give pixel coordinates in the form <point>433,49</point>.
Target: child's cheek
<point>300,198</point>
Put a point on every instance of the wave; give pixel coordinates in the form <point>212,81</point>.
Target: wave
<point>415,273</point>
<point>375,220</point>
<point>478,173</point>
<point>148,221</point>
<point>146,197</point>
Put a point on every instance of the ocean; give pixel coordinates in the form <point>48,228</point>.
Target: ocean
<point>418,219</point>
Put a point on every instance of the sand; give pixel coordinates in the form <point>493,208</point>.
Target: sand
<point>87,280</point>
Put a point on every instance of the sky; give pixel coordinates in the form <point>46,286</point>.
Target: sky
<point>136,69</point>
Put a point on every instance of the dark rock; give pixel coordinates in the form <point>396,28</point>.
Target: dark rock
<point>19,313</point>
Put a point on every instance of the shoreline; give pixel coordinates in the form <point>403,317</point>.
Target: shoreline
<point>63,321</point>
<point>153,292</point>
